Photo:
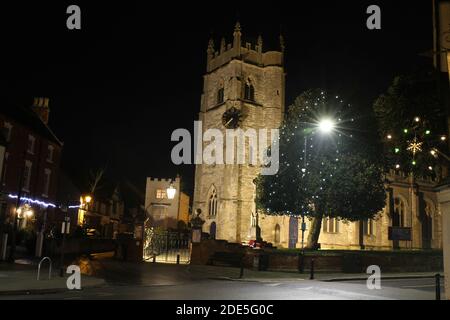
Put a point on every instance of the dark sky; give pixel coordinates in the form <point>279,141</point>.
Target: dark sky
<point>133,74</point>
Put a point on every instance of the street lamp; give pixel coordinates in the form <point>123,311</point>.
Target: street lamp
<point>87,198</point>
<point>29,213</point>
<point>325,126</point>
<point>84,202</point>
<point>171,191</point>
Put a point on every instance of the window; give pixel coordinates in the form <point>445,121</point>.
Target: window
<point>249,91</point>
<point>47,180</point>
<point>161,194</point>
<point>7,130</point>
<point>368,227</point>
<point>220,95</point>
<point>50,153</point>
<point>330,225</point>
<point>5,167</point>
<point>212,203</point>
<point>26,176</point>
<point>429,223</point>
<point>31,143</point>
<point>399,219</point>
<point>277,234</point>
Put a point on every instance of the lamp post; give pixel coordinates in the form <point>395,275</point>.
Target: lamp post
<point>325,126</point>
<point>84,206</point>
<point>171,191</point>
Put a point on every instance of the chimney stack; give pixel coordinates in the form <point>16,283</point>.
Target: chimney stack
<point>40,107</point>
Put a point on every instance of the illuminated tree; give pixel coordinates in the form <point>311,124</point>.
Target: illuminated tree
<point>341,175</point>
<point>412,124</point>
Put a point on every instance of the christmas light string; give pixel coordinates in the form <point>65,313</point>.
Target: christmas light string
<point>40,203</point>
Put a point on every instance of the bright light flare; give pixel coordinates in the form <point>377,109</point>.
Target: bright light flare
<point>171,192</point>
<point>326,125</point>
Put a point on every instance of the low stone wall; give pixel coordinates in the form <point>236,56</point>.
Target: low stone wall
<point>324,261</point>
<point>79,246</point>
<point>202,252</point>
<point>405,261</point>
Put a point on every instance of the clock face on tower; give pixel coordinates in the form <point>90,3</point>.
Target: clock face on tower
<point>232,118</point>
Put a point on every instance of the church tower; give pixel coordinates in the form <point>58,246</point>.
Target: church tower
<point>241,78</point>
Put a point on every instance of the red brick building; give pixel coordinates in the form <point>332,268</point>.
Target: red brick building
<point>32,152</point>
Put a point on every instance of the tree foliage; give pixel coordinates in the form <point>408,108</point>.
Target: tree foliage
<point>410,112</point>
<point>342,173</point>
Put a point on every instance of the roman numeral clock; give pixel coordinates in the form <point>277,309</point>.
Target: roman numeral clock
<point>232,118</point>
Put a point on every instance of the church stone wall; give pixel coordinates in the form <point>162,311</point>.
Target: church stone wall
<point>231,69</point>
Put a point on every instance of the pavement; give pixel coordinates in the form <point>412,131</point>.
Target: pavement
<point>21,279</point>
<point>109,278</point>
<point>232,274</point>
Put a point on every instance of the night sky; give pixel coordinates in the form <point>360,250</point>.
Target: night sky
<point>133,74</point>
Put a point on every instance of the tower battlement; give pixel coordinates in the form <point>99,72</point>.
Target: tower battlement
<point>248,52</point>
<point>167,180</point>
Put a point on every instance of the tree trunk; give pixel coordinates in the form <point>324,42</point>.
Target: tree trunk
<point>314,233</point>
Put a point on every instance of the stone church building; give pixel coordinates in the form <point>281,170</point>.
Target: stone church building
<point>244,79</point>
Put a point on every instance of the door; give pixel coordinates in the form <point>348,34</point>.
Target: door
<point>212,230</point>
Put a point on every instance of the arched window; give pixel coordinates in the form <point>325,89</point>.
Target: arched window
<point>400,217</point>
<point>277,234</point>
<point>249,91</point>
<point>220,95</point>
<point>212,203</point>
<point>430,221</point>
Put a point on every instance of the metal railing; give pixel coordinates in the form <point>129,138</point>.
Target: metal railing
<point>49,269</point>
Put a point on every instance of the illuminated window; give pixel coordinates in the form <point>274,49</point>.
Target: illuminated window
<point>400,216</point>
<point>161,194</point>
<point>368,227</point>
<point>330,225</point>
<point>212,203</point>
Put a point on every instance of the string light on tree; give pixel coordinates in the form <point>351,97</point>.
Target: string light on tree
<point>413,149</point>
<point>415,146</point>
<point>318,148</point>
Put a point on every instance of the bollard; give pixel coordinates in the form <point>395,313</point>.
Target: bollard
<point>178,259</point>
<point>438,286</point>
<point>154,258</point>
<point>311,276</point>
<point>241,272</point>
<point>301,262</point>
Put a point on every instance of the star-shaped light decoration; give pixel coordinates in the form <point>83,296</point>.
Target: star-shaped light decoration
<point>414,146</point>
